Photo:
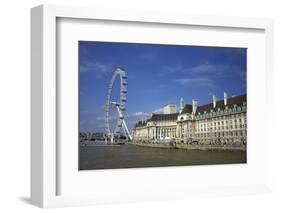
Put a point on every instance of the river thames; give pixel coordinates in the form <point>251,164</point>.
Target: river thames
<point>132,156</point>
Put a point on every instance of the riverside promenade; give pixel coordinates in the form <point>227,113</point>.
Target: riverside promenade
<point>169,145</point>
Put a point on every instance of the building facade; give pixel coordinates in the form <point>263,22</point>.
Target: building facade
<point>219,122</point>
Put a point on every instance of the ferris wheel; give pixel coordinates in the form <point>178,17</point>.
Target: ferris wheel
<point>115,106</point>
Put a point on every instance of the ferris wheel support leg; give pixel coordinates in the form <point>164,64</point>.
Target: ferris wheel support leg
<point>111,138</point>
<point>126,130</point>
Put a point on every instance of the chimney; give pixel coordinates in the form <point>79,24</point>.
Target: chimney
<point>214,101</point>
<point>225,98</point>
<point>194,106</point>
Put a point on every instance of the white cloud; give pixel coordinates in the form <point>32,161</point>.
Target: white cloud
<point>197,82</point>
<point>96,67</point>
<point>158,111</point>
<point>146,114</point>
<point>207,68</point>
<point>140,114</point>
<point>201,68</point>
<point>173,69</point>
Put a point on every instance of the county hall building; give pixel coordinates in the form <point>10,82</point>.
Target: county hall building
<point>219,122</point>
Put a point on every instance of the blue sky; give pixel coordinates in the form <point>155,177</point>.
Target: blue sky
<point>157,75</point>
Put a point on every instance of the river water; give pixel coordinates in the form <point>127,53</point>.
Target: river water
<point>132,156</point>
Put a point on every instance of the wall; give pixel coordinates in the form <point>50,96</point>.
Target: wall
<point>15,103</point>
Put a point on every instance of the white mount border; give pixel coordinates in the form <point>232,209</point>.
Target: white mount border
<point>43,87</point>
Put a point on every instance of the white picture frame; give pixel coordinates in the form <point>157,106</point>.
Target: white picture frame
<point>44,154</point>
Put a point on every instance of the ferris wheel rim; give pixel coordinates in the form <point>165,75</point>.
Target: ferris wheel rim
<point>122,98</point>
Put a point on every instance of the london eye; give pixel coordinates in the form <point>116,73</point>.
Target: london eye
<point>115,105</point>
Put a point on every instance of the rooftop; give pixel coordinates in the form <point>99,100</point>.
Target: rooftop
<point>238,100</point>
<point>164,117</point>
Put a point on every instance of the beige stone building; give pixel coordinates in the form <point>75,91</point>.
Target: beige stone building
<point>219,122</point>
